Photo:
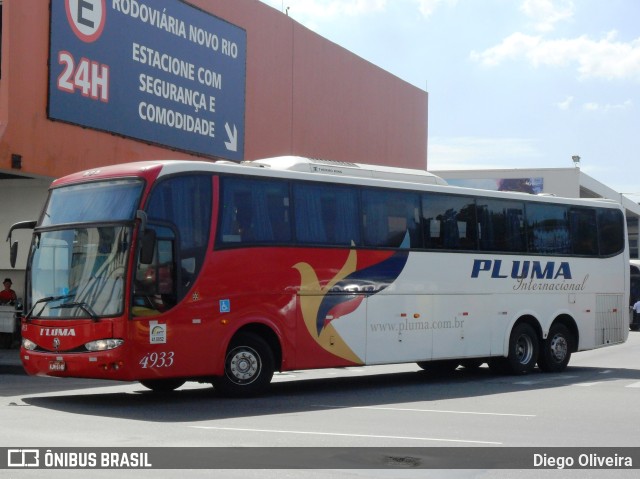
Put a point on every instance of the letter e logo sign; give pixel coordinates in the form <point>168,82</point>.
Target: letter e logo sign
<point>86,18</point>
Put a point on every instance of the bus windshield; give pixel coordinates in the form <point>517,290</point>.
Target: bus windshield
<point>78,269</point>
<point>109,201</point>
<point>79,272</point>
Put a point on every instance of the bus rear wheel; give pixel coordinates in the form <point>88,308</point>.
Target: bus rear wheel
<point>556,349</point>
<point>162,385</point>
<point>523,349</point>
<point>248,367</point>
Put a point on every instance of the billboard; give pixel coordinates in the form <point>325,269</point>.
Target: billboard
<point>161,71</point>
<point>523,185</point>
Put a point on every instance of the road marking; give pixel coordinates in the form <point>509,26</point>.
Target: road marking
<point>445,411</point>
<point>588,384</point>
<point>546,380</point>
<point>368,436</point>
<point>284,376</point>
<point>633,385</point>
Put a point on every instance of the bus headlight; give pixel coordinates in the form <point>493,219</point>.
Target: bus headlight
<point>28,345</point>
<point>103,344</point>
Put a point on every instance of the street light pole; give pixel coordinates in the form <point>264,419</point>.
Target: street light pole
<point>576,160</point>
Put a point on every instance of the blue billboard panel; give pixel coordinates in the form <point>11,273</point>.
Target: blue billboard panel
<point>533,186</point>
<point>160,71</point>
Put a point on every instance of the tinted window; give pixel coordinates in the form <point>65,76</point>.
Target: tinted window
<point>255,211</point>
<point>184,201</point>
<point>388,216</point>
<point>184,204</point>
<point>156,285</point>
<point>449,222</point>
<point>610,231</point>
<point>501,225</point>
<point>326,214</point>
<point>548,229</point>
<point>584,231</point>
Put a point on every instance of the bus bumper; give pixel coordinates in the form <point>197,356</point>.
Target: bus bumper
<point>95,365</point>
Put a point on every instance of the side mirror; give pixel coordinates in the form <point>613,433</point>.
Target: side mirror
<point>13,248</point>
<point>13,254</point>
<point>147,246</point>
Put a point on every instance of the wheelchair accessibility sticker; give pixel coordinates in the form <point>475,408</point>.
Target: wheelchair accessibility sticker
<point>225,306</point>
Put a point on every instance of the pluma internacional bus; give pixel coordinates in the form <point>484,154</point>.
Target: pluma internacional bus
<point>171,271</point>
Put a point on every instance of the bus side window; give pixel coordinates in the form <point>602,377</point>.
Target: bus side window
<point>449,222</point>
<point>243,226</point>
<point>389,216</point>
<point>184,204</point>
<point>254,211</point>
<point>584,238</point>
<point>610,231</point>
<point>326,214</point>
<point>547,229</point>
<point>502,225</point>
<point>155,283</point>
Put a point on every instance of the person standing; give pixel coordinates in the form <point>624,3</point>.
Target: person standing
<point>636,309</point>
<point>7,295</point>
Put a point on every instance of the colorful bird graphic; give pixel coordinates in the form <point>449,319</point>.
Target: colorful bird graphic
<point>343,294</point>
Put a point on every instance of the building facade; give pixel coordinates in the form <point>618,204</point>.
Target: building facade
<point>84,84</point>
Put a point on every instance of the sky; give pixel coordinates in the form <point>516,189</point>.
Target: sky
<point>511,83</point>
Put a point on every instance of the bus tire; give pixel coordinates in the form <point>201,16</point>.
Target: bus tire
<point>556,349</point>
<point>248,367</point>
<point>523,349</point>
<point>162,385</point>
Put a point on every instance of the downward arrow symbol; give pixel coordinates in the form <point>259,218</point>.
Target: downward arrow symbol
<point>232,144</point>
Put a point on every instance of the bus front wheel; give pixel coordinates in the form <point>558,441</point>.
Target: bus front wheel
<point>248,367</point>
<point>556,349</point>
<point>523,349</point>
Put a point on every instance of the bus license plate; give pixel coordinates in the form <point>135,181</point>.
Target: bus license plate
<point>57,366</point>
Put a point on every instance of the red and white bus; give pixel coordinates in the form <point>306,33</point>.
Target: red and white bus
<point>171,271</point>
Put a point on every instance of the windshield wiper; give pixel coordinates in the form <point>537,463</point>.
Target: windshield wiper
<point>45,300</point>
<point>79,304</point>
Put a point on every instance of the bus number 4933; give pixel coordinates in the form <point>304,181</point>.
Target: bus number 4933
<point>91,78</point>
<point>163,359</point>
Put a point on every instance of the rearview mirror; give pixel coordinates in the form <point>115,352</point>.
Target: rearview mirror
<point>13,254</point>
<point>13,248</point>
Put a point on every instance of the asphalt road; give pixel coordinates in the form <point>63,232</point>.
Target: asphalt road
<point>594,403</point>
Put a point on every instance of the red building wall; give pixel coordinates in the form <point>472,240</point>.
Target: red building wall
<point>304,96</point>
